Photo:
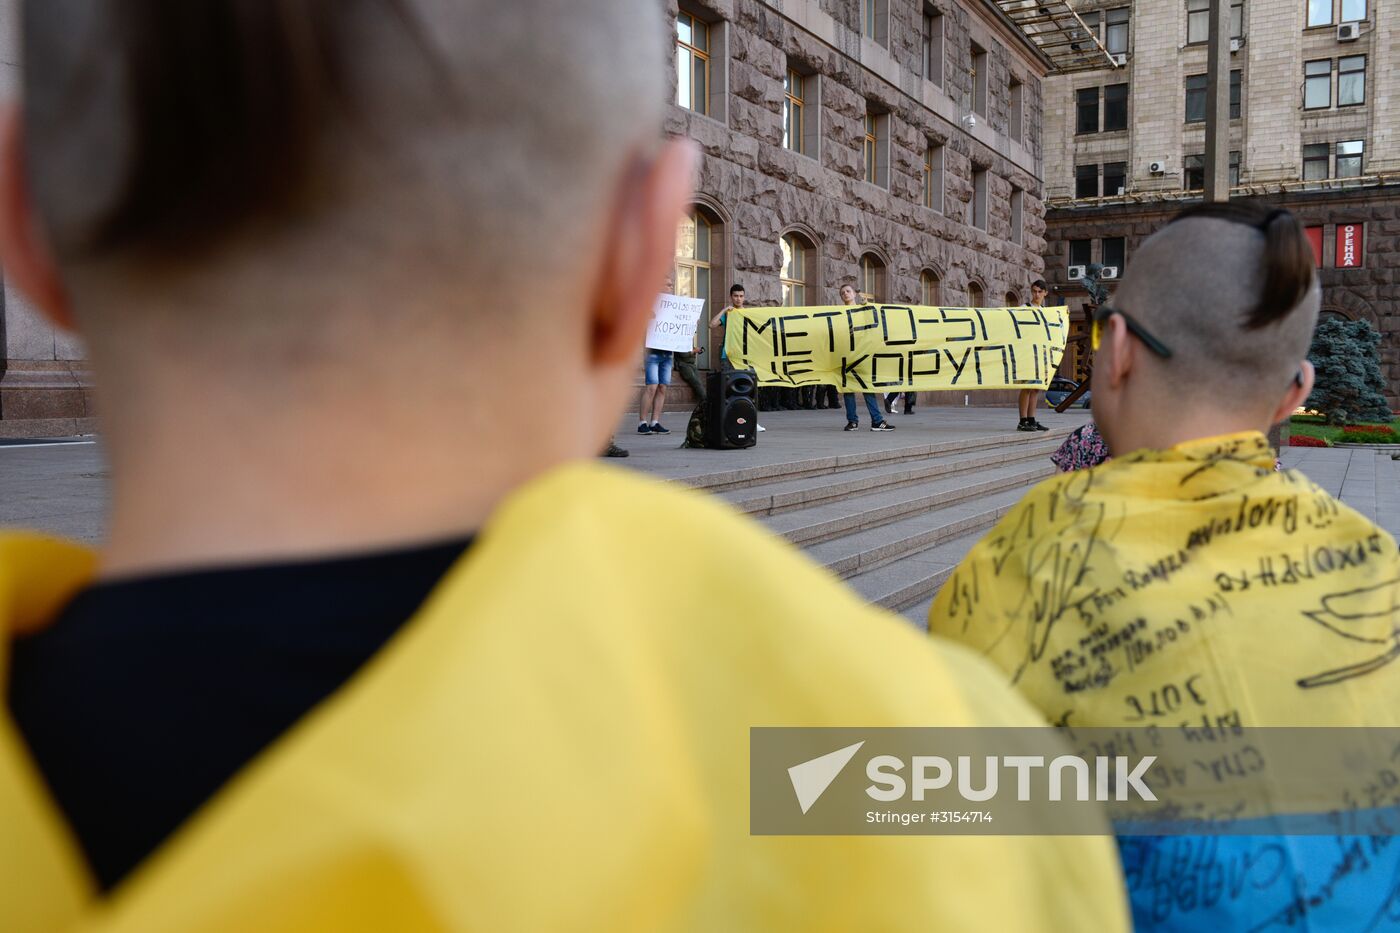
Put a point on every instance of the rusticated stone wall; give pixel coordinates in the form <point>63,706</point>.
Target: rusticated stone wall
<point>757,191</point>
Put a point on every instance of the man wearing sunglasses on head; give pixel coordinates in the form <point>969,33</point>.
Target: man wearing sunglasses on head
<point>1260,598</point>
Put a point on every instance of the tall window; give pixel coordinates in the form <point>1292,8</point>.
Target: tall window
<point>1115,251</point>
<point>933,45</point>
<point>1091,22</point>
<point>1317,84</point>
<point>1115,107</point>
<point>1193,172</point>
<point>1237,20</point>
<point>873,17</point>
<point>1115,178</point>
<point>979,199</point>
<point>1319,12</point>
<point>692,63</point>
<point>1017,206</point>
<point>928,288</point>
<point>1087,110</point>
<point>1353,10</point>
<point>797,269</point>
<point>693,258</point>
<point>1197,21</point>
<point>1236,79</point>
<point>1234,168</point>
<point>793,131</point>
<point>1351,80</point>
<point>1315,162</point>
<point>1349,156</point>
<point>1086,181</point>
<point>1014,118</point>
<point>975,298</point>
<point>872,279</point>
<point>979,80</point>
<point>1081,252</point>
<point>1195,98</point>
<point>933,176</point>
<point>1115,34</point>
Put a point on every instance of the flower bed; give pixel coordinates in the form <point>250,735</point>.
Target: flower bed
<point>1302,440</point>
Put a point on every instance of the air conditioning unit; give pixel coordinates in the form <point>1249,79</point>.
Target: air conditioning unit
<point>1076,273</point>
<point>1122,190</point>
<point>1120,59</point>
<point>1348,32</point>
<point>1108,272</point>
<point>1158,168</point>
<point>1235,45</point>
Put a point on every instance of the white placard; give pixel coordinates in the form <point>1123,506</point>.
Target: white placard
<point>674,322</point>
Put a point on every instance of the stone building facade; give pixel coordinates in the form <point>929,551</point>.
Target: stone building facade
<point>915,171</point>
<point>793,221</point>
<point>1315,127</point>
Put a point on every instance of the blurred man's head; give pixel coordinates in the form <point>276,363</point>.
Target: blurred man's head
<point>269,221</point>
<point>1038,291</point>
<point>1229,292</point>
<point>848,293</point>
<point>318,184</point>
<point>736,295</point>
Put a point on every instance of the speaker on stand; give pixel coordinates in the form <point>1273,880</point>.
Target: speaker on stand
<point>731,419</point>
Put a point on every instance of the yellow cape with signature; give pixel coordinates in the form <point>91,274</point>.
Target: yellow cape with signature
<point>1194,584</point>
<point>560,741</point>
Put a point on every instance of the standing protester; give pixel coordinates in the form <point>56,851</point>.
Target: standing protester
<point>721,320</point>
<point>1283,604</point>
<point>1029,398</point>
<point>311,683</point>
<point>686,366</point>
<point>872,404</point>
<point>658,377</point>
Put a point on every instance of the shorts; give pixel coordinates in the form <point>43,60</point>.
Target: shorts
<point>658,367</point>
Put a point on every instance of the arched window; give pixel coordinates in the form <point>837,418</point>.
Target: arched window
<point>1013,300</point>
<point>1334,314</point>
<point>698,257</point>
<point>872,278</point>
<point>799,269</point>
<point>974,295</point>
<point>928,288</point>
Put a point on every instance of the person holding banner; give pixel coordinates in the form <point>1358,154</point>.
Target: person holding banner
<point>1030,397</point>
<point>872,403</point>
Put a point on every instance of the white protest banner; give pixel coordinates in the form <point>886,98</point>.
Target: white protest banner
<point>673,325</point>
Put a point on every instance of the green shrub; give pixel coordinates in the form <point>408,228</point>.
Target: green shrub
<point>1349,385</point>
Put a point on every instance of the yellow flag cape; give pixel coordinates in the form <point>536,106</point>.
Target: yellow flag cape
<point>891,348</point>
<point>1195,585</point>
<point>550,746</point>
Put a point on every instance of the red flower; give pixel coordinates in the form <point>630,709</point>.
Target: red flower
<point>1302,440</point>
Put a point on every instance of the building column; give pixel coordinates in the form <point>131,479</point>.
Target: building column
<point>1217,157</point>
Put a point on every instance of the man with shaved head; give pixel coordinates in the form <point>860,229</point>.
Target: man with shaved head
<point>354,656</point>
<point>1186,582</point>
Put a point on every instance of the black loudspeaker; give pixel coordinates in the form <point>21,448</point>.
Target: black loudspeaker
<point>731,418</point>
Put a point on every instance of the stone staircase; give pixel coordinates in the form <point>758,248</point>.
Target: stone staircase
<point>893,523</point>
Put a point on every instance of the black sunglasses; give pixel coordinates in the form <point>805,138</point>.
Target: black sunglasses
<point>1134,328</point>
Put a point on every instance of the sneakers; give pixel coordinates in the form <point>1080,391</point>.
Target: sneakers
<point>761,428</point>
<point>1027,424</point>
<point>1038,426</point>
<point>852,425</point>
<point>643,428</point>
<point>882,426</point>
<point>658,428</point>
<point>615,451</point>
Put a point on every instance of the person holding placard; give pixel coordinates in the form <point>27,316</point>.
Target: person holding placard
<point>872,402</point>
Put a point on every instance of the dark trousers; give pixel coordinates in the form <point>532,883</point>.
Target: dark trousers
<point>685,365</point>
<point>909,399</point>
<point>827,397</point>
